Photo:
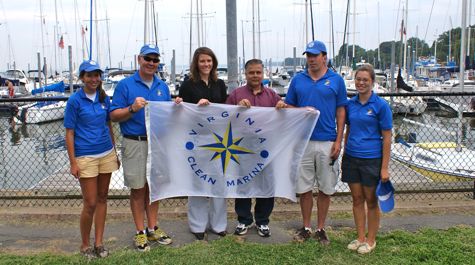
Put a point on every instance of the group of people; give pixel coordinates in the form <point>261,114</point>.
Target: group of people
<point>93,157</point>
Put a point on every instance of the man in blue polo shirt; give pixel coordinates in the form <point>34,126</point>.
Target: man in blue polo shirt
<point>324,90</point>
<point>128,102</point>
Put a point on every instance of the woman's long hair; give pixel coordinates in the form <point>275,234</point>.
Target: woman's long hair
<point>102,92</point>
<point>194,70</point>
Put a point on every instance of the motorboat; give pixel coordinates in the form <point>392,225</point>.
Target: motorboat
<point>439,161</point>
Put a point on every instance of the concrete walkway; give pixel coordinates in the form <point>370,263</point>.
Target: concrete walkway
<point>56,230</point>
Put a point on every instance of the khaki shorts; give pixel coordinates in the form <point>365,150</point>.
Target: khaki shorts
<point>90,167</point>
<point>315,169</point>
<point>134,163</point>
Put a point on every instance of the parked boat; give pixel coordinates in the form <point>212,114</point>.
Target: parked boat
<point>439,161</point>
<point>43,111</point>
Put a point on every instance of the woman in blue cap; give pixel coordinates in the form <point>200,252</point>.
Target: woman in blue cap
<point>91,151</point>
<point>366,157</point>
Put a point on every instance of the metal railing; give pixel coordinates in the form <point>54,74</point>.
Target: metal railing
<point>432,153</point>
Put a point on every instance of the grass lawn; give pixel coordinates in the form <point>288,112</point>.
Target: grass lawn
<point>428,246</point>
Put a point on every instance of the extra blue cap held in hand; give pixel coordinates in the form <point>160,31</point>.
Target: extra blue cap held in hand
<point>315,47</point>
<point>89,66</point>
<point>149,49</point>
<point>385,193</point>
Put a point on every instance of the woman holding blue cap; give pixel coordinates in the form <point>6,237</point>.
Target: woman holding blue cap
<point>366,157</point>
<point>91,151</point>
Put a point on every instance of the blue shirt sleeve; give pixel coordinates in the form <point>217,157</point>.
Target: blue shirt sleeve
<point>291,97</point>
<point>107,101</point>
<point>385,117</point>
<point>342,99</point>
<point>71,113</point>
<point>119,99</point>
<point>347,118</point>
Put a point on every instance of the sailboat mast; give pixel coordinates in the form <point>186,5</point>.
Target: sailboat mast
<point>469,29</point>
<point>306,22</point>
<point>145,23</point>
<point>42,25</point>
<point>97,32</point>
<point>202,25</point>
<point>405,39</point>
<point>56,36</point>
<point>198,23</point>
<point>191,27</point>
<point>90,33</point>
<point>253,31</point>
<point>108,40</point>
<point>379,38</point>
<point>311,20</point>
<point>354,29</point>
<point>259,29</point>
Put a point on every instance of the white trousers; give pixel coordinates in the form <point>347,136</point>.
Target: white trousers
<point>204,212</point>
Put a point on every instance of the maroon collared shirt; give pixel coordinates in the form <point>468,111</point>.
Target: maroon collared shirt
<point>265,98</point>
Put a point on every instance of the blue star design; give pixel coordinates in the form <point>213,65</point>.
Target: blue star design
<point>226,148</point>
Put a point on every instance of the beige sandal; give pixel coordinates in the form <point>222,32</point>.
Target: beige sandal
<point>355,244</point>
<point>366,248</point>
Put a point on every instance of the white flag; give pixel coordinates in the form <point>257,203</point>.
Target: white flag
<point>225,150</point>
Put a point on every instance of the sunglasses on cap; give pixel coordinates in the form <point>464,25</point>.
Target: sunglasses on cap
<point>148,59</point>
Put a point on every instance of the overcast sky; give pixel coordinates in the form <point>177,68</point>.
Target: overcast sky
<point>282,27</point>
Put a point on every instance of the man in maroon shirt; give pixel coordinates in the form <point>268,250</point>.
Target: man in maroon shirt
<point>254,94</point>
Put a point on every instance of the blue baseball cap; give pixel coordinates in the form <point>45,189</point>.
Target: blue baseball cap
<point>385,193</point>
<point>89,66</point>
<point>149,49</point>
<point>315,47</point>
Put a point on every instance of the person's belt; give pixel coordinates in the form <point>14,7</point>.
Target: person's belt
<point>136,137</point>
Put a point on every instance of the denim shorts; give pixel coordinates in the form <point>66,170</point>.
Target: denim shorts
<point>366,171</point>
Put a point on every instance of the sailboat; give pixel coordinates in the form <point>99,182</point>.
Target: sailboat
<point>43,111</point>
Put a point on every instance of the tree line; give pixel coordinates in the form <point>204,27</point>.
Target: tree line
<point>416,48</point>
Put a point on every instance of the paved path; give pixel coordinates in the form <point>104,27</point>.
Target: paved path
<point>33,230</point>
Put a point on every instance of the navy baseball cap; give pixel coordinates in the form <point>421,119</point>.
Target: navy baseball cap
<point>315,47</point>
<point>89,66</point>
<point>385,193</point>
<point>149,49</point>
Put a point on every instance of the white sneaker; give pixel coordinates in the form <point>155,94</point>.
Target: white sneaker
<point>263,230</point>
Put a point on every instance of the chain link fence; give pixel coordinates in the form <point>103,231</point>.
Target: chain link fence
<point>432,153</point>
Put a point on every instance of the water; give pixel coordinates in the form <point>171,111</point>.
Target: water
<point>29,153</point>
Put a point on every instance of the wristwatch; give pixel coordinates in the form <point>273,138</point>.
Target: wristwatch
<point>131,110</point>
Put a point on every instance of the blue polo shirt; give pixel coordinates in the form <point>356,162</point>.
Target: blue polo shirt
<point>89,120</point>
<point>124,95</point>
<point>326,95</point>
<point>366,123</point>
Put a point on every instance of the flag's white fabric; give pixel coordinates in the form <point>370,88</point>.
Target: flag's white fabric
<point>225,150</point>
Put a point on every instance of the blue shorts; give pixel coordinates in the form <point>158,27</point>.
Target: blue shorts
<point>366,171</point>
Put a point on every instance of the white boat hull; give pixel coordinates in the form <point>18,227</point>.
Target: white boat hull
<point>439,161</point>
<point>33,113</point>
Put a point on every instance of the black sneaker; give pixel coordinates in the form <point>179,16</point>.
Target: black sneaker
<point>322,237</point>
<point>241,229</point>
<point>263,230</point>
<point>302,234</point>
